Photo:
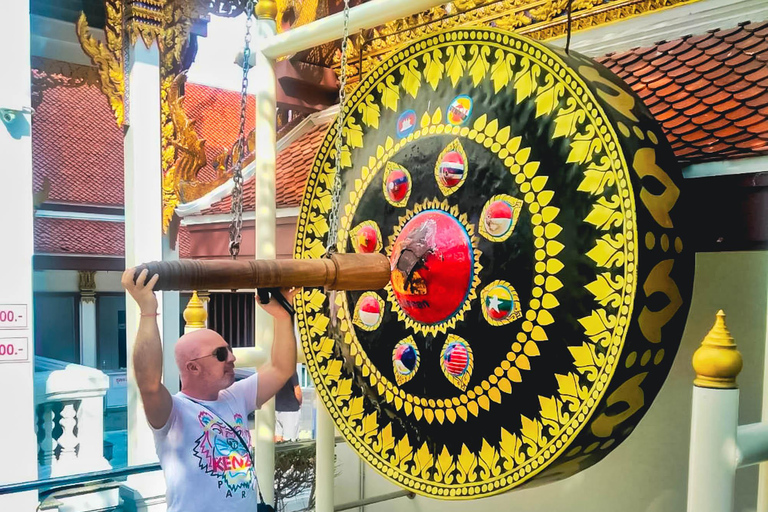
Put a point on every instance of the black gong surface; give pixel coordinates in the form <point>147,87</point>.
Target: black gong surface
<point>530,207</point>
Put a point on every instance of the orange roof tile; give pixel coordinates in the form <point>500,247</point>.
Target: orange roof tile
<point>68,236</point>
<point>709,92</point>
<point>77,145</point>
<point>293,164</point>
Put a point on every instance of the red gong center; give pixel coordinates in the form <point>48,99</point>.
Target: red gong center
<point>432,266</point>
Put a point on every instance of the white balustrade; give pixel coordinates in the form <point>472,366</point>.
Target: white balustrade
<point>69,410</point>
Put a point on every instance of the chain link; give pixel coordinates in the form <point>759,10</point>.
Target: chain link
<point>333,215</point>
<point>241,146</point>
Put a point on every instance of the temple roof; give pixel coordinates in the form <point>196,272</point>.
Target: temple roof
<point>70,236</point>
<point>78,147</point>
<point>709,92</point>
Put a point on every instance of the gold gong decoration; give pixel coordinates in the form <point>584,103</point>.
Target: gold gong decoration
<point>530,207</point>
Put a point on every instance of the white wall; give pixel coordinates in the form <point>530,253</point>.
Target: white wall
<point>649,471</point>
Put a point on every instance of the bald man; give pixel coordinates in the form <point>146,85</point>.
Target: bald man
<point>201,432</point>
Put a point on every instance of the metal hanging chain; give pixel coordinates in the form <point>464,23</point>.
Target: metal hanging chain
<point>333,215</point>
<point>568,37</point>
<point>236,210</point>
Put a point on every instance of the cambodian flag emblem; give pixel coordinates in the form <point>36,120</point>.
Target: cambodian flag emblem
<point>452,169</point>
<point>406,123</point>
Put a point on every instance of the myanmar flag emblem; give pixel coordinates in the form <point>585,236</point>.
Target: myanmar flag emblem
<point>501,304</point>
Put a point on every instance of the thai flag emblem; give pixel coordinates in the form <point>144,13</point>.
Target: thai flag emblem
<point>452,169</point>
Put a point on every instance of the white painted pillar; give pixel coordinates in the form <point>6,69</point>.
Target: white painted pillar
<point>16,234</point>
<point>325,445</point>
<point>88,334</point>
<point>262,77</point>
<point>143,242</point>
<point>713,454</point>
<point>171,327</point>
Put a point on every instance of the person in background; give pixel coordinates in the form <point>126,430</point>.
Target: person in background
<point>288,410</point>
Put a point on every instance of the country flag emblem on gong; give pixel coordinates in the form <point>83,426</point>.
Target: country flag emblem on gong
<point>456,361</point>
<point>459,110</point>
<point>501,304</point>
<point>406,123</point>
<point>499,217</point>
<point>397,184</point>
<point>366,237</point>
<point>451,169</point>
<point>405,360</point>
<point>369,311</point>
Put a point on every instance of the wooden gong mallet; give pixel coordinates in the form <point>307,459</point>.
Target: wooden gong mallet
<point>339,272</point>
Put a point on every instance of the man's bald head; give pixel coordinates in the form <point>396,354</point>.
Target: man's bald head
<point>198,343</point>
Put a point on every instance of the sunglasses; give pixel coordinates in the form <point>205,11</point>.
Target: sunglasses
<point>221,354</point>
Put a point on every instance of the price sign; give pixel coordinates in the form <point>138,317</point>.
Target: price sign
<point>13,316</point>
<point>14,349</point>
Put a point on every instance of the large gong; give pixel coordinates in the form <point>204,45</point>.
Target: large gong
<point>529,206</point>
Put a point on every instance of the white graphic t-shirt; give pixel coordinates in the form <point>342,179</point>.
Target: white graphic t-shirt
<point>205,465</point>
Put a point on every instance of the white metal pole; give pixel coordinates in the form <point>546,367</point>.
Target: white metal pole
<point>263,77</point>
<point>752,442</point>
<point>713,454</point>
<point>324,30</point>
<point>325,446</point>
<point>16,238</point>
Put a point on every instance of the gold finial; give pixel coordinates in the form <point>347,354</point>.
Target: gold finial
<point>717,362</point>
<point>195,314</point>
<point>266,10</point>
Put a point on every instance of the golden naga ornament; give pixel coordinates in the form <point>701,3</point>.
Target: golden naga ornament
<point>539,282</point>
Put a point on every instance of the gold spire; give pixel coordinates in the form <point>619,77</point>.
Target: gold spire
<point>266,9</point>
<point>195,314</point>
<point>717,362</point>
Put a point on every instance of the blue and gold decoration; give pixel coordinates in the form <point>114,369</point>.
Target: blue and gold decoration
<point>518,191</point>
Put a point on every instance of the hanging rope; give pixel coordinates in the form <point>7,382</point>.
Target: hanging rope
<point>236,210</point>
<point>568,34</point>
<point>333,215</point>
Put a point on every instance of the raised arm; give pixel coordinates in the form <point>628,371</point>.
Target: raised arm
<point>148,350</point>
<point>282,366</point>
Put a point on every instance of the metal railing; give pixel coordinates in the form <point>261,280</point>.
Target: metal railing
<point>62,483</point>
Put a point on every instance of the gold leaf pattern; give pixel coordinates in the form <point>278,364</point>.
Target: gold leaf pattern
<point>433,68</point>
<point>501,71</point>
<point>607,289</point>
<point>456,63</point>
<point>479,65</point>
<point>411,77</point>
